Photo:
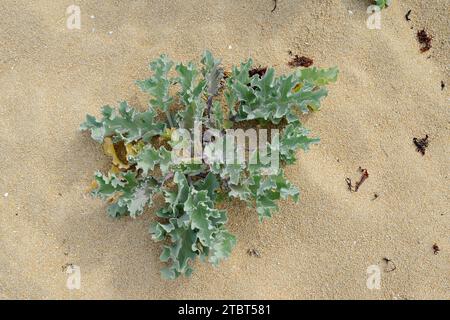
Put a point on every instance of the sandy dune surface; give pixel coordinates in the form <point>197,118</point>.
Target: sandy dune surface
<point>387,93</point>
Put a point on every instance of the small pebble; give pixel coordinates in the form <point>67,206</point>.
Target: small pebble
<point>6,194</point>
<point>350,12</point>
<point>92,17</point>
<point>110,32</point>
<point>230,47</point>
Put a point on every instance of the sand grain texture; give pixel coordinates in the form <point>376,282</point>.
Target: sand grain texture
<point>387,93</point>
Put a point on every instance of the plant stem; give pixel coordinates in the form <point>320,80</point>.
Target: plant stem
<point>209,103</point>
<point>169,118</point>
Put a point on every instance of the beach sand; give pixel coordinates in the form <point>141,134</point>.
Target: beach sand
<point>388,92</point>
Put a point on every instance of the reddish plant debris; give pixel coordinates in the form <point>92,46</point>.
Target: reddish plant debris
<point>421,144</point>
<point>355,188</point>
<point>407,15</point>
<point>424,39</point>
<point>436,249</point>
<point>364,176</point>
<point>260,71</point>
<point>300,62</point>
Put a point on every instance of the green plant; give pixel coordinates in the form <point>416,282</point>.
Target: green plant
<point>142,144</point>
<point>382,3</point>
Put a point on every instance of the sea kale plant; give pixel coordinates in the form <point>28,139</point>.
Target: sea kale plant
<point>153,151</point>
<point>383,3</point>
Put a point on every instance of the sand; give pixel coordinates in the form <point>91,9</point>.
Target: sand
<point>387,93</point>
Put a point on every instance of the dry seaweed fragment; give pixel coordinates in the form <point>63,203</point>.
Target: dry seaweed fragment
<point>260,71</point>
<point>274,5</point>
<point>253,253</point>
<point>424,39</point>
<point>302,61</point>
<point>407,15</point>
<point>421,144</point>
<point>442,85</point>
<point>390,265</point>
<point>436,249</point>
<point>364,176</point>
<point>66,266</point>
<point>349,184</point>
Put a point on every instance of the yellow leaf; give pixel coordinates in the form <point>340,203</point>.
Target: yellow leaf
<point>108,148</point>
<point>114,169</point>
<point>298,87</point>
<point>114,198</point>
<point>227,124</point>
<point>312,108</point>
<point>92,186</point>
<point>134,148</point>
<point>167,135</point>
